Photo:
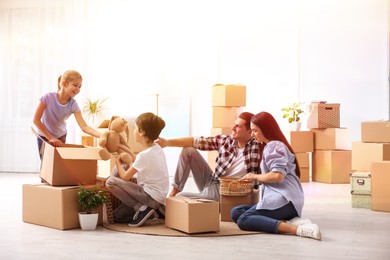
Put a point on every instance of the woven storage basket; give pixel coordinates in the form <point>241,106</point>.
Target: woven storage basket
<point>234,187</point>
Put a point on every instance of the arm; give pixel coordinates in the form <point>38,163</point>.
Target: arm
<point>128,150</point>
<point>37,121</point>
<point>125,175</point>
<point>270,177</point>
<point>83,125</point>
<point>177,142</point>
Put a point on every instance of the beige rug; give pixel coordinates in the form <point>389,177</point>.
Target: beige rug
<point>159,229</point>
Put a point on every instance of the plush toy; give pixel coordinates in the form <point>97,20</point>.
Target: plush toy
<point>110,140</point>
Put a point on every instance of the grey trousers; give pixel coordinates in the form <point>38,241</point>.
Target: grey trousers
<point>131,195</point>
<point>191,160</point>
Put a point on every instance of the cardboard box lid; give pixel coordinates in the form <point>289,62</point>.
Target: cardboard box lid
<point>77,152</point>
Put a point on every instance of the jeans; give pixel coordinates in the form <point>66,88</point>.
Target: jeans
<point>249,218</point>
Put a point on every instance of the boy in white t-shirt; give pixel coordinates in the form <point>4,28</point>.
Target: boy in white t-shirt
<point>142,200</point>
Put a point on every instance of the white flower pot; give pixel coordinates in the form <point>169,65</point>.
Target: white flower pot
<point>295,126</point>
<point>88,221</point>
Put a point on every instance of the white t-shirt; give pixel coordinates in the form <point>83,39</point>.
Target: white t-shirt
<point>152,172</point>
<point>237,170</point>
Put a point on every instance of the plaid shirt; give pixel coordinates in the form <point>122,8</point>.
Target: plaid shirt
<point>227,150</point>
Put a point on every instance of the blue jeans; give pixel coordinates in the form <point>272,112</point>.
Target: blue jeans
<point>250,219</point>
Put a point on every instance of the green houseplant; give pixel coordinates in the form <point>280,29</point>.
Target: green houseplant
<point>89,199</point>
<point>292,112</point>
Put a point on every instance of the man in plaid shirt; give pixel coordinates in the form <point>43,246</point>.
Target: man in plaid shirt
<point>238,154</point>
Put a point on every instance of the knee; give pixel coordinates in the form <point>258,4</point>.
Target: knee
<point>109,182</point>
<point>188,151</point>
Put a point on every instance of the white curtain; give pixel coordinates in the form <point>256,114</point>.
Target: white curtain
<point>131,50</point>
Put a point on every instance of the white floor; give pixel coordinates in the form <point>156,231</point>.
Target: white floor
<point>348,233</point>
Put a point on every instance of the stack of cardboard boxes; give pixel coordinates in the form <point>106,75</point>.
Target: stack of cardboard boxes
<point>54,203</point>
<point>371,164</point>
<point>332,155</point>
<point>302,144</point>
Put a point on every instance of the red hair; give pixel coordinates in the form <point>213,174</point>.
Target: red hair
<point>271,130</point>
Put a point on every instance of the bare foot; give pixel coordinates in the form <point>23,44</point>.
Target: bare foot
<point>174,191</point>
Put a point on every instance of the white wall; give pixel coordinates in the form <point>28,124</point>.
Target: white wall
<point>282,50</point>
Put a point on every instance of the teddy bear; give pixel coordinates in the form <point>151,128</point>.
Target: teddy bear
<point>109,141</point>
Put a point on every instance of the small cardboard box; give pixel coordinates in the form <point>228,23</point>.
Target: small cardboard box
<point>54,207</point>
<point>363,154</point>
<point>69,164</point>
<point>331,166</point>
<point>192,215</point>
<point>224,116</point>
<point>361,189</point>
<point>331,139</point>
<point>229,95</point>
<point>375,131</point>
<point>380,192</point>
<point>300,141</point>
<point>228,202</point>
<point>323,115</point>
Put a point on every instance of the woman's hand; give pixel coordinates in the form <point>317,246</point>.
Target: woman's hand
<point>249,177</point>
<point>55,142</point>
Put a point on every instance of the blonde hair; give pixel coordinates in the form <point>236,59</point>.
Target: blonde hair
<point>68,76</point>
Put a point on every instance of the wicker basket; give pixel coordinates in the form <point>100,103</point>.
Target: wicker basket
<point>235,187</point>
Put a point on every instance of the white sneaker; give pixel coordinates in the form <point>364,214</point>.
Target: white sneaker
<point>309,230</point>
<point>298,221</point>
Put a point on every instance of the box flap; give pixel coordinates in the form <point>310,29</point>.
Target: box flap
<point>79,153</point>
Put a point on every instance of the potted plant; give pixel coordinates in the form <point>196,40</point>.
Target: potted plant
<point>292,112</point>
<point>89,199</point>
<point>93,109</point>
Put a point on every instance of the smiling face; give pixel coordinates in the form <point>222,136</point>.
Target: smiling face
<point>73,87</point>
<point>258,134</point>
<point>239,131</point>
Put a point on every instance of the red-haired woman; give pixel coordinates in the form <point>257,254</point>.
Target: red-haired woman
<point>282,193</point>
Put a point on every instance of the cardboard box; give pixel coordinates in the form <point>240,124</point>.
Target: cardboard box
<point>300,141</point>
<point>226,203</point>
<point>305,174</point>
<point>54,207</point>
<point>323,115</point>
<point>380,192</point>
<point>88,140</point>
<point>331,166</point>
<point>363,154</point>
<point>361,182</point>
<point>229,95</point>
<point>221,130</point>
<point>192,215</point>
<point>375,131</point>
<point>303,159</point>
<point>331,139</point>
<point>361,200</point>
<point>361,189</point>
<point>224,116</point>
<point>69,164</point>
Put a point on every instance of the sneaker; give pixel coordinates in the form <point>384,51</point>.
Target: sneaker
<point>298,221</point>
<point>161,212</point>
<point>309,230</point>
<point>140,217</point>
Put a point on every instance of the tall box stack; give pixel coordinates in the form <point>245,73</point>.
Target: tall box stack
<point>302,144</point>
<point>332,155</point>
<point>372,154</point>
<point>227,103</point>
<point>54,203</point>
